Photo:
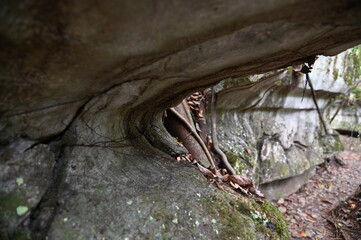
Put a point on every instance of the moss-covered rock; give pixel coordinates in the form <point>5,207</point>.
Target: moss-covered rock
<point>331,144</point>
<point>241,211</point>
<point>88,86</point>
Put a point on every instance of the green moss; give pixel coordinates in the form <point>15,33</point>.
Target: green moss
<point>284,170</point>
<point>233,223</point>
<point>231,82</point>
<point>9,203</point>
<point>357,93</point>
<point>353,66</point>
<point>335,74</point>
<point>331,144</point>
<point>240,216</point>
<point>69,234</point>
<point>276,218</point>
<point>232,158</point>
<point>240,163</point>
<point>15,235</point>
<point>162,215</point>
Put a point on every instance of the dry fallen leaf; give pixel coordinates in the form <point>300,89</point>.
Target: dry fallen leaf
<point>241,180</point>
<point>234,185</point>
<point>310,219</point>
<point>224,178</point>
<point>352,206</point>
<point>281,201</point>
<point>256,192</point>
<point>282,209</point>
<point>217,173</point>
<point>326,201</point>
<point>206,172</point>
<point>245,191</point>
<point>219,186</point>
<point>303,234</point>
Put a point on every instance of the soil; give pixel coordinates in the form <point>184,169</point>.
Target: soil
<point>329,205</point>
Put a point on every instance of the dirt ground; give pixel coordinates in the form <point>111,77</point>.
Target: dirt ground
<point>311,212</point>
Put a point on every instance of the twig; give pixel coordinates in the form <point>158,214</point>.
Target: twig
<point>316,104</point>
<point>304,91</point>
<point>338,109</point>
<point>196,136</point>
<point>214,134</point>
<point>344,101</point>
<point>338,228</point>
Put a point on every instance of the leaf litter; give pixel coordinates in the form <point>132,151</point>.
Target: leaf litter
<point>220,178</point>
<point>329,205</point>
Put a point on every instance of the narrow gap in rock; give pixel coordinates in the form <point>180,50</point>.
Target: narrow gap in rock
<point>350,133</point>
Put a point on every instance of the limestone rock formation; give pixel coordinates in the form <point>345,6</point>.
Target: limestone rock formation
<point>345,111</point>
<point>348,119</point>
<point>83,88</point>
<point>270,127</point>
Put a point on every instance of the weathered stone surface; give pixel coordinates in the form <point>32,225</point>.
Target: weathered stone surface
<point>90,81</point>
<point>282,188</point>
<point>65,54</point>
<point>349,117</point>
<point>273,129</point>
<point>348,107</point>
<point>24,178</point>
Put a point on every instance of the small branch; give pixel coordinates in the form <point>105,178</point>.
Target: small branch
<point>316,104</point>
<point>196,136</point>
<point>344,101</point>
<point>214,134</point>
<point>338,109</point>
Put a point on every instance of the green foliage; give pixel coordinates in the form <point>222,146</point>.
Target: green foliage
<point>357,93</point>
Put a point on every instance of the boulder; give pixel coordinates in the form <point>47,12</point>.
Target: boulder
<point>269,125</point>
<point>82,91</point>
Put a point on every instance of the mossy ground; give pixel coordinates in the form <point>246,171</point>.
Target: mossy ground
<point>8,216</point>
<point>237,213</point>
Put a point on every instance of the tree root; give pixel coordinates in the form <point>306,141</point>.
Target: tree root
<point>196,136</point>
<point>316,104</point>
<point>214,134</point>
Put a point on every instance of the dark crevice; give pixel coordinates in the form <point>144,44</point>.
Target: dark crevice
<point>42,216</point>
<point>40,219</point>
<point>43,108</point>
<point>59,135</point>
<point>351,133</point>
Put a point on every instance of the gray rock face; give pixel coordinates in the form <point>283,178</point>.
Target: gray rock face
<point>348,107</point>
<point>272,130</point>
<point>24,179</point>
<point>348,117</point>
<point>88,84</point>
